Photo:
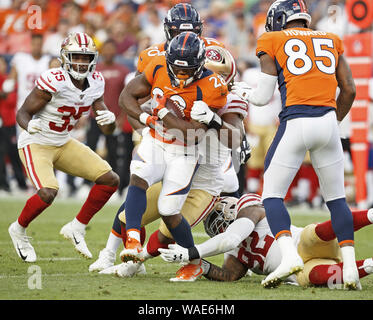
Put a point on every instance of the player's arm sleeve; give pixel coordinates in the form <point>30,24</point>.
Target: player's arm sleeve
<point>47,82</point>
<point>142,61</point>
<point>262,94</point>
<point>238,231</point>
<point>235,105</point>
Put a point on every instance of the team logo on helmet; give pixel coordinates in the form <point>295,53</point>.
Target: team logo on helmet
<point>74,44</point>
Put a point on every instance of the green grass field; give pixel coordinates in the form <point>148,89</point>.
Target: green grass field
<point>65,276</point>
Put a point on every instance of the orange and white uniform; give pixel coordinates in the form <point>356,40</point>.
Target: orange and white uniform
<point>306,63</point>
<point>160,157</point>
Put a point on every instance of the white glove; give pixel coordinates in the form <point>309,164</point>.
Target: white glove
<point>34,126</point>
<point>105,117</point>
<point>174,253</point>
<point>201,112</point>
<point>242,89</point>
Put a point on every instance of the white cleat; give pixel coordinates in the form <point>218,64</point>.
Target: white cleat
<point>129,269</point>
<point>77,239</point>
<point>284,270</point>
<point>105,260</point>
<point>110,270</point>
<point>351,279</point>
<point>22,244</point>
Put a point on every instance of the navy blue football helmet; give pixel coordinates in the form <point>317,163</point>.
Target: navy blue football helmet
<point>182,17</point>
<point>283,11</point>
<point>185,58</point>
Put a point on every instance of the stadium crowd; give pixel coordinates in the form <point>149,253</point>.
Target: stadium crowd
<point>33,30</point>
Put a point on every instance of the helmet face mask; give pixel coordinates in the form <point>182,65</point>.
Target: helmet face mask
<point>185,58</point>
<point>283,11</point>
<point>219,219</point>
<point>180,18</point>
<point>73,51</point>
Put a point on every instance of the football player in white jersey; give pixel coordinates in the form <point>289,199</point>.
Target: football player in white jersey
<point>207,183</point>
<point>239,228</point>
<point>61,96</point>
<point>26,68</point>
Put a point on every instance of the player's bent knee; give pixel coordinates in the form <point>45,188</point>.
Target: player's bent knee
<point>110,179</point>
<point>138,182</point>
<point>47,194</point>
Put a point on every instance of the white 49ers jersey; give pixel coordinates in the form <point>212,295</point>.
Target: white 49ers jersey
<point>259,251</point>
<point>209,175</point>
<point>63,111</point>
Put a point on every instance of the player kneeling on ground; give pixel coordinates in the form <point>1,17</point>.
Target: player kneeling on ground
<point>240,229</point>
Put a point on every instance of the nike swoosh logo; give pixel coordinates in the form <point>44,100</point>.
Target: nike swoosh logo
<point>202,114</point>
<point>20,253</point>
<point>76,242</point>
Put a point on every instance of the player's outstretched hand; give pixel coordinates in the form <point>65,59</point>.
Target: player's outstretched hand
<point>174,253</point>
<point>201,112</point>
<point>105,117</point>
<point>242,89</point>
<point>34,126</point>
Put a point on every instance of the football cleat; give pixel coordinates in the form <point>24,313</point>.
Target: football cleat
<point>133,251</point>
<point>77,239</point>
<point>129,269</point>
<point>22,244</point>
<point>351,279</point>
<point>105,260</point>
<point>188,273</point>
<point>283,271</point>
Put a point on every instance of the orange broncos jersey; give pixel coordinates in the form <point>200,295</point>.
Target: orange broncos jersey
<point>210,88</point>
<point>159,50</point>
<point>306,62</point>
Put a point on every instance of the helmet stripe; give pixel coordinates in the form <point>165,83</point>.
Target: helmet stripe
<point>185,9</point>
<point>185,40</point>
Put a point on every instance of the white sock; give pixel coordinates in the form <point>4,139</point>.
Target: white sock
<point>370,215</point>
<point>348,256</point>
<point>113,242</point>
<point>19,228</point>
<point>287,246</point>
<point>76,224</point>
<point>134,234</point>
<point>145,252</point>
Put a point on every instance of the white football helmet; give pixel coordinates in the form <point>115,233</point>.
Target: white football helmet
<point>224,213</point>
<point>221,61</point>
<point>78,43</point>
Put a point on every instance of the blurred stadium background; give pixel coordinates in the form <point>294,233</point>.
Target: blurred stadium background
<point>123,28</point>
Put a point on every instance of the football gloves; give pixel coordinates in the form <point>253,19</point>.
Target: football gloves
<point>244,151</point>
<point>242,89</point>
<point>160,110</point>
<point>174,253</point>
<point>105,117</point>
<point>34,126</point>
<point>202,113</point>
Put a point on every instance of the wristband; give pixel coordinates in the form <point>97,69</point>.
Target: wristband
<point>193,253</point>
<point>143,117</point>
<point>216,122</point>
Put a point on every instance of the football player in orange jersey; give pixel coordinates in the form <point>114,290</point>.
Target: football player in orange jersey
<point>180,76</point>
<point>309,66</point>
<point>181,17</point>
